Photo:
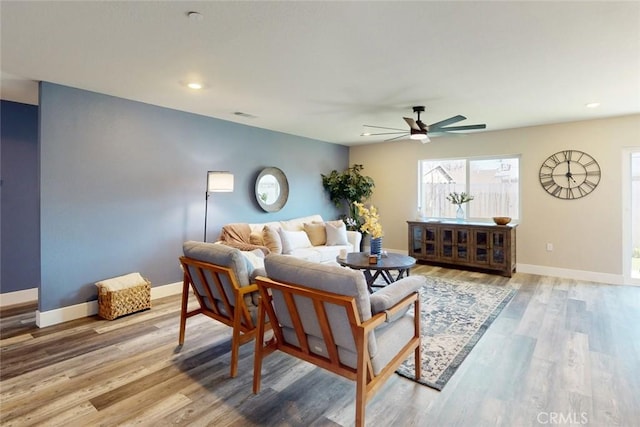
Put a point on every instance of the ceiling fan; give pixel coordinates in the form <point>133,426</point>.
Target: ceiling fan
<point>419,131</point>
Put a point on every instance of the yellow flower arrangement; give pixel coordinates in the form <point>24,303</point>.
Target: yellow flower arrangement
<point>371,223</point>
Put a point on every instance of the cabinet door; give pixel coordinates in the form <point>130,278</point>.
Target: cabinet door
<point>461,252</point>
<point>482,240</point>
<point>416,242</point>
<point>423,241</point>
<point>499,249</point>
<point>454,244</point>
<point>446,243</point>
<point>430,242</point>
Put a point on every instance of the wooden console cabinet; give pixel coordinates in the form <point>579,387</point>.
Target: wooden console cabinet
<point>475,245</point>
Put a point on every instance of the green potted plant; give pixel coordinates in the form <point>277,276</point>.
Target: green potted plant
<point>347,187</point>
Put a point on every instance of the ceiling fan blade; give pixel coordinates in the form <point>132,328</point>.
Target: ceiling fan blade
<point>384,133</point>
<point>457,128</point>
<point>446,122</point>
<point>397,137</point>
<point>412,123</point>
<point>380,127</point>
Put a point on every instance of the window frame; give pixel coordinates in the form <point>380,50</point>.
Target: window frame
<point>467,183</point>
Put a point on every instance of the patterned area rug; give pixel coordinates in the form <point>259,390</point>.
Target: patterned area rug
<point>455,315</point>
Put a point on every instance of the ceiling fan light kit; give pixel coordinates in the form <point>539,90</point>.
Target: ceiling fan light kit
<point>419,136</point>
<point>418,130</point>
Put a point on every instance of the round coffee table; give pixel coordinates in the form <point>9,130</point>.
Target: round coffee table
<point>385,265</point>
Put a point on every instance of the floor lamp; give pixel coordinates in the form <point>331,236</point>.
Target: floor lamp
<point>217,182</point>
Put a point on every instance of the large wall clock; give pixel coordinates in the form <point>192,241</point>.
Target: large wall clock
<point>569,174</point>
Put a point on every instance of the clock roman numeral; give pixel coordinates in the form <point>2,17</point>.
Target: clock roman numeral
<point>545,170</point>
<point>553,161</point>
<point>545,176</point>
<point>555,191</point>
<point>548,183</point>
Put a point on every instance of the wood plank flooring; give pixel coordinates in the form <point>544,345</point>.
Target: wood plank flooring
<point>562,352</point>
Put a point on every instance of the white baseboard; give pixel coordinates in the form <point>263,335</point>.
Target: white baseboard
<point>565,273</point>
<point>18,297</point>
<point>589,276</point>
<point>65,314</point>
<point>166,290</point>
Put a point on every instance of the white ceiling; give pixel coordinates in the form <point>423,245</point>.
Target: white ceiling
<point>323,69</point>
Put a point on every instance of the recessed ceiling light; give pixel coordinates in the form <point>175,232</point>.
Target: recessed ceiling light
<point>194,85</point>
<point>592,105</point>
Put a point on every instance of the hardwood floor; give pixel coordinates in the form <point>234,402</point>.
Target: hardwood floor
<point>561,353</point>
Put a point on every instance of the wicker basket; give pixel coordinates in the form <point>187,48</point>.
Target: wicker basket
<point>130,298</point>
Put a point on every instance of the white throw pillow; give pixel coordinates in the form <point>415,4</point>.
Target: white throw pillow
<point>336,233</point>
<point>292,240</point>
<point>255,258</point>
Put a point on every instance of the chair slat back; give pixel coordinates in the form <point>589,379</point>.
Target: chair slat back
<point>216,289</point>
<point>314,325</point>
<point>331,279</point>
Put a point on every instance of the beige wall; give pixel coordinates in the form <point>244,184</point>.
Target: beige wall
<point>586,233</point>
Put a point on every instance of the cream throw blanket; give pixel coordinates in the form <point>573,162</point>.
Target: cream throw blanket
<point>121,282</point>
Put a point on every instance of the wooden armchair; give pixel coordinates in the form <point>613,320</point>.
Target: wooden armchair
<point>324,315</point>
<point>220,278</point>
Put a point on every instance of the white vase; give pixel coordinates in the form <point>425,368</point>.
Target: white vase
<point>460,213</point>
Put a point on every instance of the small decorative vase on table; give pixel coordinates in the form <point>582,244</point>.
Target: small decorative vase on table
<point>371,225</point>
<point>376,246</point>
<point>458,199</point>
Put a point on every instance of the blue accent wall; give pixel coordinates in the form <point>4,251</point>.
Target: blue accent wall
<point>19,214</point>
<point>123,186</point>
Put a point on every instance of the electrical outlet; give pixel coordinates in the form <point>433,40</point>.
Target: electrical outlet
<point>549,247</point>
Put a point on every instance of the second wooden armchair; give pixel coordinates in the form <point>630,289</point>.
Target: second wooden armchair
<point>325,315</point>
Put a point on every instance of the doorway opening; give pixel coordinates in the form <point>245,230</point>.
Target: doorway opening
<point>631,209</point>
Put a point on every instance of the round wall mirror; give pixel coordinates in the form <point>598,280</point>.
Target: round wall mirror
<point>272,189</point>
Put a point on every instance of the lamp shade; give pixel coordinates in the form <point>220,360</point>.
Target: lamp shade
<point>219,182</point>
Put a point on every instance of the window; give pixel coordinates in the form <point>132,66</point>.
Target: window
<point>494,184</point>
